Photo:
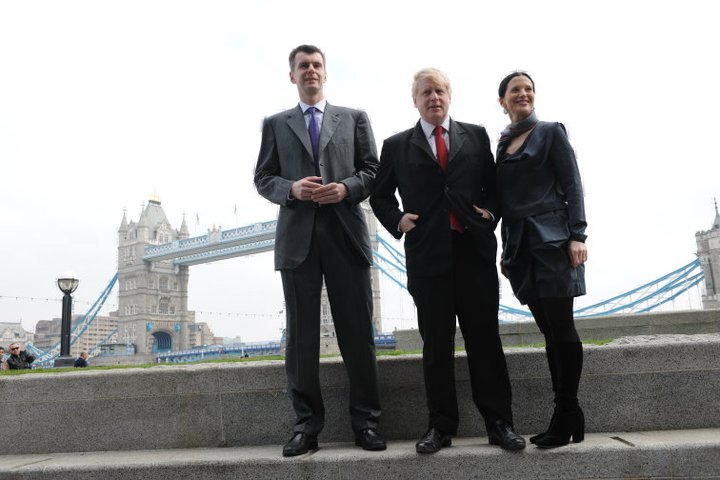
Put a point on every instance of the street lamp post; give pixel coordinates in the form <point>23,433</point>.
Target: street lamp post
<point>67,283</point>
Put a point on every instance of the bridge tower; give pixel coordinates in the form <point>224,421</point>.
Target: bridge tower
<point>152,296</point>
<point>708,243</point>
<point>374,271</point>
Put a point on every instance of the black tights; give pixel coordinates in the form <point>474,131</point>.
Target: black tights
<point>554,318</point>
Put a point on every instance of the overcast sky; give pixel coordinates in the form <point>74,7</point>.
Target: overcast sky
<point>106,103</point>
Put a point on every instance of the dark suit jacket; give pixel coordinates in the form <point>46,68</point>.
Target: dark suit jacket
<point>348,154</point>
<point>408,165</point>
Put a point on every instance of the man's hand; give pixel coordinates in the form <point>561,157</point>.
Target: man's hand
<point>330,193</point>
<point>304,188</point>
<point>407,222</point>
<point>483,212</point>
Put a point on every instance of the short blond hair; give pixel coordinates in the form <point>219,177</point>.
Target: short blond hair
<point>432,74</point>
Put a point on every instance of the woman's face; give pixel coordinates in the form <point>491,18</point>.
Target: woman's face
<point>519,99</point>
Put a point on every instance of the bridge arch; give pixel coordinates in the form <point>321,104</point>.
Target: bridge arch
<point>161,342</point>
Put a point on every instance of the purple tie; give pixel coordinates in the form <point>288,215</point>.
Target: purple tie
<point>314,138</point>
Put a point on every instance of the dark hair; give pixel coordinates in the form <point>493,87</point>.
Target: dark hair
<point>504,84</point>
<point>309,49</point>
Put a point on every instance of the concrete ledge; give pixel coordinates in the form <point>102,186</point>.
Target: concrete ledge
<point>688,322</point>
<point>668,454</point>
<point>660,385</point>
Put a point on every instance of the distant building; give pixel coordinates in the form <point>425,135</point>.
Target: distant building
<point>13,332</point>
<point>708,243</point>
<point>152,309</point>
<point>47,333</point>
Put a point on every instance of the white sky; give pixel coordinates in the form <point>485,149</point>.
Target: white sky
<point>104,103</point>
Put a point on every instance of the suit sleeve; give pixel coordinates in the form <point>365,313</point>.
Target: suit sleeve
<point>562,158</point>
<point>383,201</point>
<point>488,181</point>
<point>268,180</point>
<point>365,161</point>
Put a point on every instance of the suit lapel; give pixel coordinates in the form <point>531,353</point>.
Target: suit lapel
<point>418,139</point>
<point>296,123</point>
<point>457,139</point>
<point>331,120</point>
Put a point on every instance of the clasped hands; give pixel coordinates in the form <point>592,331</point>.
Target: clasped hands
<point>311,189</point>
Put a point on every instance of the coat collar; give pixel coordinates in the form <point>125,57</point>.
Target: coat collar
<point>457,140</point>
<point>296,122</point>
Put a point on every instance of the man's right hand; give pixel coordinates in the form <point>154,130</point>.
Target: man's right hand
<point>407,222</point>
<point>303,188</point>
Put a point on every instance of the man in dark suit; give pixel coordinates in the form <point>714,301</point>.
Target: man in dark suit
<point>317,162</point>
<point>445,174</point>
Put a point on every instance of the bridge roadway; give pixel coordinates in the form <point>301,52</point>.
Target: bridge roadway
<point>216,245</point>
<point>384,342</point>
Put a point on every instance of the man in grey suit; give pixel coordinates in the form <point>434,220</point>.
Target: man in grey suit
<point>317,162</point>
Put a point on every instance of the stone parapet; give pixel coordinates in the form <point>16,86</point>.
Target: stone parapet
<point>656,385</point>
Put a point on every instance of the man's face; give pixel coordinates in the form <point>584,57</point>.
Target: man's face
<point>309,73</point>
<point>2,352</point>
<point>432,101</point>
<point>14,349</point>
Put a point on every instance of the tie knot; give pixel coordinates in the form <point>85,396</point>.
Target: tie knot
<point>311,110</point>
<point>439,130</point>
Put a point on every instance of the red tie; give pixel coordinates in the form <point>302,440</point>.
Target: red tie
<point>442,156</point>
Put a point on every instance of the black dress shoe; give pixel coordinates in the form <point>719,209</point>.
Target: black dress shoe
<point>300,443</point>
<point>433,441</point>
<point>370,439</point>
<point>501,433</point>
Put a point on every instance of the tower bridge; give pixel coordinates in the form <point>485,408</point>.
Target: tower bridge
<point>153,272</point>
<point>216,245</point>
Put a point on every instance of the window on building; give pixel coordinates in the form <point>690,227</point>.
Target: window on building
<point>164,306</point>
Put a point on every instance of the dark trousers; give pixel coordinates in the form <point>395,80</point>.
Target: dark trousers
<point>347,279</point>
<point>470,293</point>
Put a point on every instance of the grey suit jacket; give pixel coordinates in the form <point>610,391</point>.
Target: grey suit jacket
<point>348,154</point>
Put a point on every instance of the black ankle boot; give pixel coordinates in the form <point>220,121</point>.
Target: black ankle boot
<point>567,425</point>
<point>549,351</point>
<point>568,420</point>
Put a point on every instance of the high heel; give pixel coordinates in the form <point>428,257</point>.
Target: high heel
<point>568,425</point>
<point>568,420</point>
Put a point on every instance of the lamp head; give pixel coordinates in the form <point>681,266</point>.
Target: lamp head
<point>68,282</point>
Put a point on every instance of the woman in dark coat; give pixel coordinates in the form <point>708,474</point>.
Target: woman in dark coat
<point>543,232</point>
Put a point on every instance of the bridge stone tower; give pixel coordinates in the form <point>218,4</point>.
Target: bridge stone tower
<point>372,229</point>
<point>152,296</point>
<point>708,243</point>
